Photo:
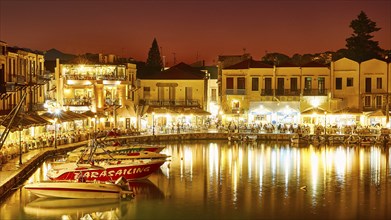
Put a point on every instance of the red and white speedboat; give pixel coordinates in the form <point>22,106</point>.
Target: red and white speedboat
<point>109,171</point>
<point>120,149</point>
<point>78,190</point>
<point>74,157</point>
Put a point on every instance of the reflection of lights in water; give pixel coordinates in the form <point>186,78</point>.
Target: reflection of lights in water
<point>235,181</point>
<point>213,159</point>
<point>375,164</point>
<point>340,164</point>
<point>250,162</point>
<point>362,162</point>
<point>298,162</point>
<point>314,170</point>
<point>240,160</point>
<point>285,158</point>
<point>261,161</point>
<point>229,157</point>
<point>273,163</point>
<point>187,162</point>
<point>285,153</point>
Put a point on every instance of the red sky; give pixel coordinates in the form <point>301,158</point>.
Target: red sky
<point>202,29</point>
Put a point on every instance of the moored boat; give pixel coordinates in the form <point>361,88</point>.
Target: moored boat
<point>74,157</point>
<point>78,190</point>
<point>105,170</point>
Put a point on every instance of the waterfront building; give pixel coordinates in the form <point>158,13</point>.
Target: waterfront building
<point>23,83</point>
<point>343,93</point>
<point>104,87</point>
<point>173,98</point>
<point>374,91</point>
<point>362,91</point>
<point>256,92</point>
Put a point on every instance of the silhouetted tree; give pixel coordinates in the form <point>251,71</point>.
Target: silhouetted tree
<point>275,58</point>
<point>360,47</point>
<point>154,61</point>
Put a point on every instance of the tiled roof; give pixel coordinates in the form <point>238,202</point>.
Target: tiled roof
<point>179,71</point>
<point>250,63</point>
<point>16,49</point>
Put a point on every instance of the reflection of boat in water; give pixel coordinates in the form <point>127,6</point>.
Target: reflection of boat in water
<point>57,207</point>
<point>145,189</point>
<point>68,189</point>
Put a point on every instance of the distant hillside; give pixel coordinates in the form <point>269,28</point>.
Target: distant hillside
<point>53,54</point>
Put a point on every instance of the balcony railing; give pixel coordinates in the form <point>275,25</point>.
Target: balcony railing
<point>280,92</point>
<point>93,77</point>
<point>20,79</point>
<point>77,102</point>
<point>235,92</point>
<point>174,103</point>
<point>287,92</point>
<point>315,92</point>
<point>373,108</point>
<point>43,79</point>
<point>267,92</point>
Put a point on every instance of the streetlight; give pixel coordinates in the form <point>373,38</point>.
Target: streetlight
<point>95,127</point>
<point>238,120</point>
<point>55,133</point>
<point>153,123</point>
<point>20,144</point>
<point>325,121</point>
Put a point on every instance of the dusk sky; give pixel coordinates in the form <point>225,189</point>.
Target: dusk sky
<point>202,29</point>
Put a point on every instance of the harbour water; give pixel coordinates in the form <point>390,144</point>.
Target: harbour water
<point>218,180</point>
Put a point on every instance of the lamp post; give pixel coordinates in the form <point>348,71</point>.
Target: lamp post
<point>153,123</point>
<point>95,127</point>
<point>55,133</point>
<point>20,144</point>
<point>325,124</point>
<point>238,120</point>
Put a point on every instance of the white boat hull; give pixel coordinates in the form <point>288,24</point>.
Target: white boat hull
<point>77,190</point>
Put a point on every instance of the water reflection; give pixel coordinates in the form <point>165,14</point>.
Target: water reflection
<point>214,180</point>
<point>73,208</point>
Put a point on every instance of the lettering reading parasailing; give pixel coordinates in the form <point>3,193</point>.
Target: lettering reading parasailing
<point>113,173</point>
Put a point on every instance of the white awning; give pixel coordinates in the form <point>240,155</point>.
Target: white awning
<point>274,107</point>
